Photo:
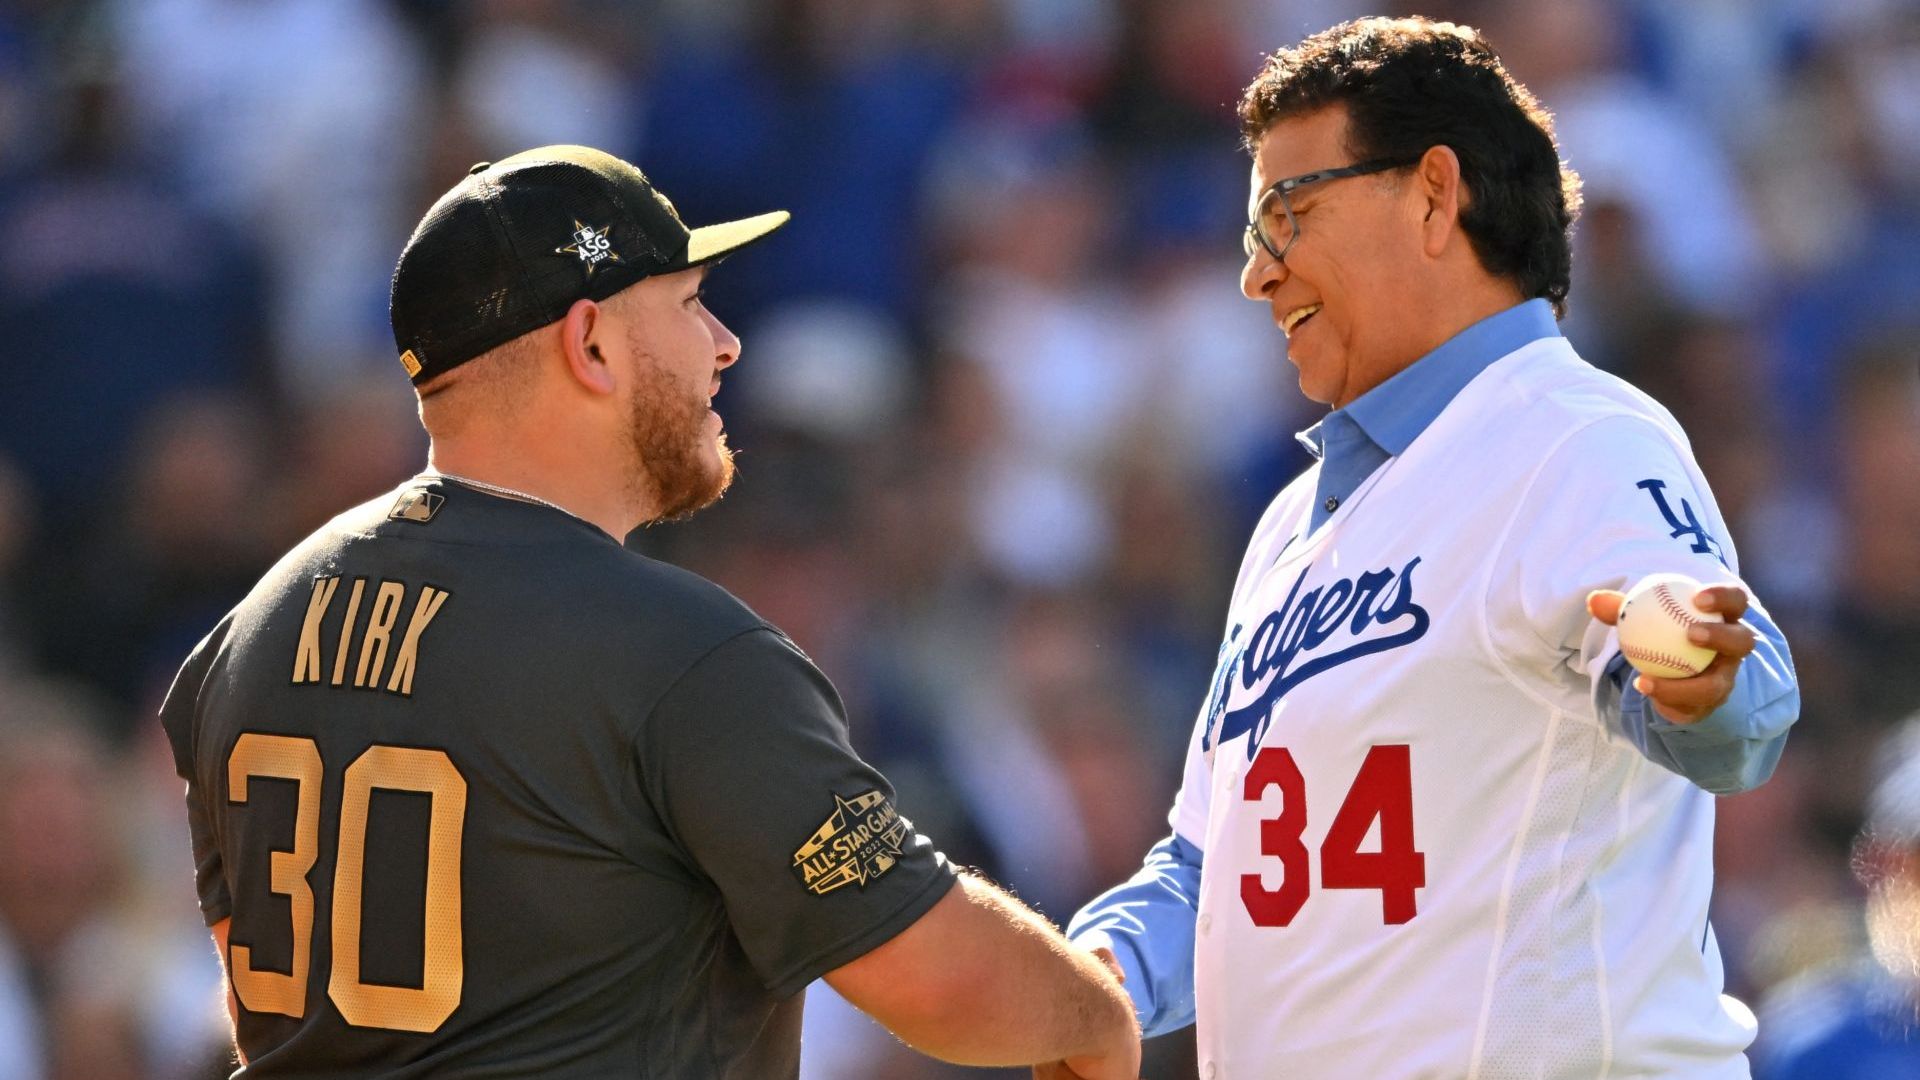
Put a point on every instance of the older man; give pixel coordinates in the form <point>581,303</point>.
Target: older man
<point>1431,824</point>
<point>475,791</point>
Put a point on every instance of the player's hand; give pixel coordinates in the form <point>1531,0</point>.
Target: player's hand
<point>1126,1064</point>
<point>1092,1068</point>
<point>1683,701</point>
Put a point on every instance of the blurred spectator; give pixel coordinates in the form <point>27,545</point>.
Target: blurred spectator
<point>346,446</point>
<point>180,540</point>
<point>1854,1018</point>
<point>74,986</point>
<point>1003,420</point>
<point>293,121</point>
<point>1841,173</point>
<point>113,295</point>
<point>827,108</point>
<point>1634,147</point>
<point>1878,482</point>
<point>17,527</point>
<point>536,72</point>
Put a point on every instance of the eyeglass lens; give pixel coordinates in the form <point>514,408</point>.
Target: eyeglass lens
<point>1274,223</point>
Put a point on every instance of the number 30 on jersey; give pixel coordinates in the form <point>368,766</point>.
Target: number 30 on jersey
<point>395,768</point>
<point>1383,791</point>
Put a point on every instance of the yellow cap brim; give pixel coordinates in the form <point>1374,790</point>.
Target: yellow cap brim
<point>710,242</point>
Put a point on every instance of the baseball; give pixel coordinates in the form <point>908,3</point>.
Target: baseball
<point>1653,627</point>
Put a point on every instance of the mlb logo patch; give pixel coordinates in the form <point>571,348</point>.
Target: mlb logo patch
<point>417,506</point>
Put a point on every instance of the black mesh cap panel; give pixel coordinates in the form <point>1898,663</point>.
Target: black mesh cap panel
<point>515,243</point>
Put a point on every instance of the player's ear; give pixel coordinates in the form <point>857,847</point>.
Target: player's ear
<point>583,337</point>
<point>1441,195</point>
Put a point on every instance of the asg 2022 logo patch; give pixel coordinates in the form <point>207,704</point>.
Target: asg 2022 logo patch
<point>862,840</point>
<point>590,245</point>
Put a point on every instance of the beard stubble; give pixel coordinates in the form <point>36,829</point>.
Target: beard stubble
<point>674,460</point>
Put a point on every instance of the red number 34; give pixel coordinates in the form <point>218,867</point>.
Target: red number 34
<point>1383,789</point>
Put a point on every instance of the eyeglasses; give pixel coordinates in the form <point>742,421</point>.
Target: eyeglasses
<point>1273,225</point>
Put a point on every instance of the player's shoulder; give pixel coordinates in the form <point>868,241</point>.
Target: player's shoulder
<point>533,564</point>
<point>1550,377</point>
<point>1549,394</point>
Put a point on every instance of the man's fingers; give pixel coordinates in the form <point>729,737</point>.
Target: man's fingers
<point>1728,639</point>
<point>1728,600</point>
<point>1604,604</point>
<point>1684,701</point>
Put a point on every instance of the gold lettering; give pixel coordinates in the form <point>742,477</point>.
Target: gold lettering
<point>386,608</point>
<point>341,650</point>
<point>306,658</point>
<point>443,963</point>
<point>403,664</point>
<point>281,757</point>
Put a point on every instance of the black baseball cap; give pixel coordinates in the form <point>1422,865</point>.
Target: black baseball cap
<point>517,241</point>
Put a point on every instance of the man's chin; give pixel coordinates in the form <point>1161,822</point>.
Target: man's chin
<point>691,499</point>
<point>1315,392</point>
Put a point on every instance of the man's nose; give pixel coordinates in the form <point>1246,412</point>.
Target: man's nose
<point>1261,274</point>
<point>726,347</point>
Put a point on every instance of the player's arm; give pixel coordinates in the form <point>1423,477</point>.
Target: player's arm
<point>1143,928</point>
<point>177,718</point>
<point>220,931</point>
<point>1617,500</point>
<point>747,761</point>
<point>981,979</point>
<point>1726,727</point>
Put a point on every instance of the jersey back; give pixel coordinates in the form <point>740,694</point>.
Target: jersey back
<point>427,785</point>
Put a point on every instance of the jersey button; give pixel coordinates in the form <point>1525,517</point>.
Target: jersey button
<point>1211,1071</point>
<point>1206,923</point>
<point>1333,503</point>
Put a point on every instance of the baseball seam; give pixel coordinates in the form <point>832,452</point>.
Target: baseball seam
<point>1635,652</point>
<point>1672,606</point>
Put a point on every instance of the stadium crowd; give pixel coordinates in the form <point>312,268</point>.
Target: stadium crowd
<point>1003,419</point>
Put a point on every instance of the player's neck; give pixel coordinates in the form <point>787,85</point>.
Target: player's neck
<point>548,471</point>
<point>1442,318</point>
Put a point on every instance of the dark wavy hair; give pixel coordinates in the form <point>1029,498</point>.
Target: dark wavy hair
<point>1411,84</point>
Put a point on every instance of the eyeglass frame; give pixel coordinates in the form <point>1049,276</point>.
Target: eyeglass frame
<point>1284,188</point>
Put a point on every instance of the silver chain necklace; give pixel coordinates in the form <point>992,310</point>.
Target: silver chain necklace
<point>506,492</point>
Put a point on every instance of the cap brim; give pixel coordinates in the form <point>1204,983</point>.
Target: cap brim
<point>710,242</point>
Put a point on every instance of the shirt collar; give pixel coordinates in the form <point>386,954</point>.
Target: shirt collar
<point>1394,413</point>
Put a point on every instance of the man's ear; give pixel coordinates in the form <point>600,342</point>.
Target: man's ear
<point>1436,179</point>
<point>582,334</point>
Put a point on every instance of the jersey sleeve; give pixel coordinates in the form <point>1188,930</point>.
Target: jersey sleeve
<point>178,715</point>
<point>748,761</point>
<point>1619,499</point>
<point>1148,922</point>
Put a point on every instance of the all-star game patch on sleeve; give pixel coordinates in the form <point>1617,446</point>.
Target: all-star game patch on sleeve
<point>748,760</point>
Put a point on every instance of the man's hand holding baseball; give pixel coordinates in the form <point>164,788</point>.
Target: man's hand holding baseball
<point>1685,701</point>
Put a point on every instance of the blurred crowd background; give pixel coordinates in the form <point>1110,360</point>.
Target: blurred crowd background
<point>1004,421</point>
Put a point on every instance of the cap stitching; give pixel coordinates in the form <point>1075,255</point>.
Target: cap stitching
<point>497,213</point>
<point>614,195</point>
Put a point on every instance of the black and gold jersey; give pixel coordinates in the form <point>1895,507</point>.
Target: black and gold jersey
<point>486,794</point>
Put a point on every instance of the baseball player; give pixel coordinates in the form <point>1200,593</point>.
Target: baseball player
<point>1431,824</point>
<point>475,791</point>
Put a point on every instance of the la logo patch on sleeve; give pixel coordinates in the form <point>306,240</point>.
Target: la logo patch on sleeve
<point>859,842</point>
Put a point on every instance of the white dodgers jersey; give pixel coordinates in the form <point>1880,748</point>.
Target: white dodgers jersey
<point>1426,856</point>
